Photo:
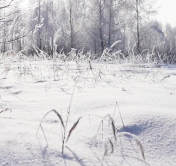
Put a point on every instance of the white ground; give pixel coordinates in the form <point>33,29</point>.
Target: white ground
<point>146,98</point>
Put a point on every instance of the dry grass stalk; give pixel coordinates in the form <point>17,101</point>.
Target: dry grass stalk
<point>95,138</point>
<point>105,151</point>
<point>5,72</point>
<point>165,78</point>
<point>73,127</point>
<point>143,161</point>
<point>101,123</point>
<point>5,110</point>
<point>90,66</point>
<point>113,128</point>
<point>59,116</point>
<point>138,142</point>
<point>120,114</point>
<point>112,146</point>
<point>141,148</point>
<point>44,134</point>
<point>6,89</point>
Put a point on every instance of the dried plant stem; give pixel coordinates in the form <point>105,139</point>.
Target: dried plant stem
<point>134,158</point>
<point>138,142</point>
<point>73,127</point>
<point>66,123</point>
<point>120,114</point>
<point>5,110</point>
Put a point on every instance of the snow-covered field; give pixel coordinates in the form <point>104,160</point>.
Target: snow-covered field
<point>143,96</point>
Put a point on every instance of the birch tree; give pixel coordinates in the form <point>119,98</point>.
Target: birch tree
<point>141,10</point>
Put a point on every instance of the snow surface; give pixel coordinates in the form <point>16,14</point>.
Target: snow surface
<point>145,97</point>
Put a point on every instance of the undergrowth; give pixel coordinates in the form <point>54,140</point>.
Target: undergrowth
<point>106,138</point>
<point>82,70</point>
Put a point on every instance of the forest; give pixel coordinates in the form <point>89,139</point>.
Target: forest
<point>62,26</point>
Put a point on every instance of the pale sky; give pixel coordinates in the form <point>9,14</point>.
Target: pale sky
<point>167,11</point>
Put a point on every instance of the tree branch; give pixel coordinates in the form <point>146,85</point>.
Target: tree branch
<point>6,5</point>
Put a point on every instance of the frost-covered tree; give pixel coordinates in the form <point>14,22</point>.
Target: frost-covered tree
<point>11,32</point>
<point>140,12</point>
<point>94,25</point>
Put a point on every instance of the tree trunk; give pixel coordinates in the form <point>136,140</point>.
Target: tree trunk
<point>100,26</point>
<point>110,24</point>
<point>39,31</point>
<point>137,27</point>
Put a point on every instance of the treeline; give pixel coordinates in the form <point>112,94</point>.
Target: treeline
<point>88,25</point>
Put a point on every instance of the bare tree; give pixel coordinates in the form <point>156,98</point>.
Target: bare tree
<point>142,10</point>
<point>9,22</point>
<point>39,22</point>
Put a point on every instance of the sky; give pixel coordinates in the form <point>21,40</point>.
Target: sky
<point>166,11</point>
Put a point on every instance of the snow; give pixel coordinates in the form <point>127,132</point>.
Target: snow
<point>145,97</point>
